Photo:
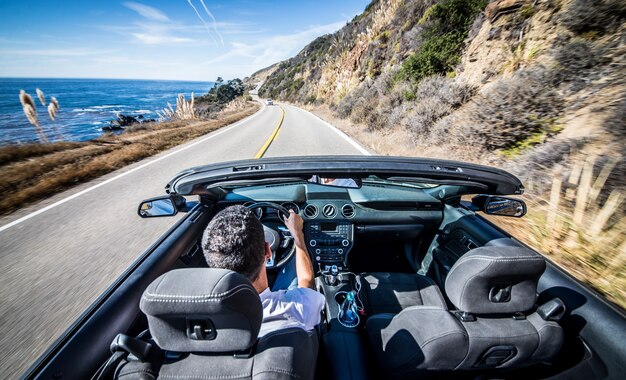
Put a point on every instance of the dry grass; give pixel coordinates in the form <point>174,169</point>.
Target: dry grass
<point>234,105</point>
<point>185,110</point>
<point>580,225</point>
<point>36,171</point>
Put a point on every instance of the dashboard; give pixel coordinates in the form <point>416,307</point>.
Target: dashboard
<point>335,218</point>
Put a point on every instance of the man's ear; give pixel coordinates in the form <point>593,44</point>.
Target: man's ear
<point>268,251</point>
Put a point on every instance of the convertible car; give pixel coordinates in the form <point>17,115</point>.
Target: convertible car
<point>417,284</point>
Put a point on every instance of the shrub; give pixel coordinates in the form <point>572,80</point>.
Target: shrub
<point>577,55</point>
<point>514,113</point>
<point>435,97</point>
<point>445,90</point>
<point>424,114</point>
<point>437,55</point>
<point>616,123</point>
<point>447,26</point>
<point>594,15</point>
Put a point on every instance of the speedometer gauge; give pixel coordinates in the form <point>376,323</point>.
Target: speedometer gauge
<point>258,211</point>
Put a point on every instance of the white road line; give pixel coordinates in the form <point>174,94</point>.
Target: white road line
<point>26,217</point>
<point>340,133</point>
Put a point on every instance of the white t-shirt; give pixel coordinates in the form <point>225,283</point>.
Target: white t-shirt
<point>298,307</point>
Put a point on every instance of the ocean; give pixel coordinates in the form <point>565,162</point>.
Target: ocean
<point>86,105</point>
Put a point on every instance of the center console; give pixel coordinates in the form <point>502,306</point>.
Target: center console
<point>343,345</point>
<point>329,242</point>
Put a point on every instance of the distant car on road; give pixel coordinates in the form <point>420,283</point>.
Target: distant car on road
<point>269,102</point>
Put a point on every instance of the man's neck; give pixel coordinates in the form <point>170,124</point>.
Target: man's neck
<point>260,288</point>
<point>260,283</point>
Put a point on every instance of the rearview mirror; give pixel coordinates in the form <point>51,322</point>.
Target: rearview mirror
<point>495,205</point>
<point>349,183</point>
<point>161,206</point>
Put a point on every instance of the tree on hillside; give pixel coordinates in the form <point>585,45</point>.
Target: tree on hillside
<point>225,92</point>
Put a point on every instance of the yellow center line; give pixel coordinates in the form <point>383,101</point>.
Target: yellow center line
<point>272,137</point>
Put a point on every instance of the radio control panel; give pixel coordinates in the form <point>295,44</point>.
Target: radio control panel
<point>329,243</point>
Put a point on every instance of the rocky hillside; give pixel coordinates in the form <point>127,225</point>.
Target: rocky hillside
<point>535,86</point>
<point>495,81</point>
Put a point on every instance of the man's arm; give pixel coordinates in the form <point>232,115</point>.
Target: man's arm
<point>304,267</point>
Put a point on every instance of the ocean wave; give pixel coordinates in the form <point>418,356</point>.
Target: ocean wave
<point>105,107</point>
<point>142,112</point>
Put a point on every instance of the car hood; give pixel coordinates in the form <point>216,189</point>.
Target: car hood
<point>470,177</point>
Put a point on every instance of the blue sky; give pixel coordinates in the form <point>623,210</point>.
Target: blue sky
<point>175,39</point>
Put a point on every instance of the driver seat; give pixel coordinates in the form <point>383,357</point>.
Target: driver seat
<point>207,321</point>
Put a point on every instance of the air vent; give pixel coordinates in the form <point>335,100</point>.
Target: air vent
<point>329,211</point>
<point>347,211</point>
<point>310,211</point>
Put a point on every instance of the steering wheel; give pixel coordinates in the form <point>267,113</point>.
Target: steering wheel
<point>279,239</point>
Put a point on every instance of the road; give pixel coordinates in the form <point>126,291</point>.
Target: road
<point>57,256</point>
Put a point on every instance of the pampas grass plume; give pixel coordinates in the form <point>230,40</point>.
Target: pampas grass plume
<point>41,97</point>
<point>53,107</point>
<point>52,111</point>
<point>30,110</point>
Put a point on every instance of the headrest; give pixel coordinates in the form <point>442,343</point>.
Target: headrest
<point>202,310</point>
<point>494,280</point>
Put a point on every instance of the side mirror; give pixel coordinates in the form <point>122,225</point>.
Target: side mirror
<point>496,205</point>
<point>160,206</point>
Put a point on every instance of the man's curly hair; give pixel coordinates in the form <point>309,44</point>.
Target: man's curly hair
<point>235,240</point>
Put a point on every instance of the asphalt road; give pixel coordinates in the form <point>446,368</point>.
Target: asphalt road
<point>57,256</point>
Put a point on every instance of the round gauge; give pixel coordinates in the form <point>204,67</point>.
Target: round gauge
<point>258,211</point>
<point>291,206</point>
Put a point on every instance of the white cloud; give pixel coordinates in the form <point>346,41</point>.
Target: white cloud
<point>273,49</point>
<point>154,27</point>
<point>159,39</point>
<point>146,11</point>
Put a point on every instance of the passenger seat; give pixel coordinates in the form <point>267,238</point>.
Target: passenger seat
<point>385,292</point>
<point>496,325</point>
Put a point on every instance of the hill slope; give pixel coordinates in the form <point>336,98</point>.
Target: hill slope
<point>537,87</point>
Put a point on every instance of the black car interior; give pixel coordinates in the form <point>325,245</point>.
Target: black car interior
<point>441,292</point>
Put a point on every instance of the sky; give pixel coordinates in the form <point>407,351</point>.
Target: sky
<point>165,39</point>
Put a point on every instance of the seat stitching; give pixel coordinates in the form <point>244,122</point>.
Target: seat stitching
<point>494,259</point>
<point>159,298</point>
<point>426,342</point>
<point>148,371</point>
<point>508,336</point>
<point>202,377</point>
<point>280,370</point>
<point>424,307</point>
<point>232,290</point>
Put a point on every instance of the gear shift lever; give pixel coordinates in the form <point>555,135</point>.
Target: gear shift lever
<point>331,279</point>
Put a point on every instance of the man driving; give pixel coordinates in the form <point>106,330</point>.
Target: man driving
<point>234,239</point>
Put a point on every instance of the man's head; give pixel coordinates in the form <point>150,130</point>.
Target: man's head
<point>235,240</point>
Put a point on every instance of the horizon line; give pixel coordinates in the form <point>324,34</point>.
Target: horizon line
<point>128,79</point>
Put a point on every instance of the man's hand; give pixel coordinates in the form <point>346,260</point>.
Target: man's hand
<point>304,268</point>
<point>295,223</point>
